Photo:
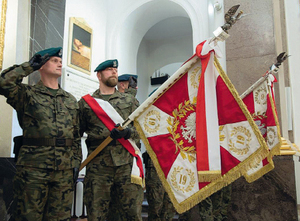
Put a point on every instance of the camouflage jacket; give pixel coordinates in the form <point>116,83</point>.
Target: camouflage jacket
<point>131,91</point>
<point>111,155</point>
<point>43,115</point>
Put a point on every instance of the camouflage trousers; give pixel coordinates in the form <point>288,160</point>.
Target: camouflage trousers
<point>42,194</point>
<point>160,206</point>
<point>213,208</point>
<point>99,182</point>
<point>113,212</point>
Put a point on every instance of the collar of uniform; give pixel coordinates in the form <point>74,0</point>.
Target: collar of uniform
<point>42,88</point>
<point>97,94</point>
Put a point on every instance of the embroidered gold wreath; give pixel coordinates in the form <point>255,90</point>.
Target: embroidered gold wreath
<point>178,114</point>
<point>259,115</point>
<point>271,136</point>
<point>152,121</point>
<point>221,133</point>
<point>175,183</point>
<point>232,146</point>
<point>260,96</point>
<point>195,81</point>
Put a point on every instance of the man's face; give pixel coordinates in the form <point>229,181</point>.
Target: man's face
<point>52,67</point>
<point>109,77</point>
<point>123,85</point>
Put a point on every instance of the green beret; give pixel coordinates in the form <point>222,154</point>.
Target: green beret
<point>125,77</point>
<point>52,52</point>
<point>107,64</point>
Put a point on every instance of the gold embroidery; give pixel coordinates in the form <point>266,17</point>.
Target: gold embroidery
<point>179,185</point>
<point>260,96</point>
<point>243,138</point>
<point>194,81</point>
<point>221,133</point>
<point>188,132</point>
<point>271,134</point>
<point>151,121</point>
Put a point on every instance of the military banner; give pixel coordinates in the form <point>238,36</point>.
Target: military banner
<point>197,131</point>
<point>260,102</point>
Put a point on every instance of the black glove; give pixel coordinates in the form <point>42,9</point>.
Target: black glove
<point>117,134</point>
<point>132,82</point>
<point>75,175</point>
<point>37,61</point>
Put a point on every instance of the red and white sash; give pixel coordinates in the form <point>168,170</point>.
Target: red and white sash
<point>110,117</point>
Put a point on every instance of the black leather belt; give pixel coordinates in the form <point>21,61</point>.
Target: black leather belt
<point>58,142</point>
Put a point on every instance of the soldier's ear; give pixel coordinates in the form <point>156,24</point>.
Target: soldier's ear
<point>98,75</point>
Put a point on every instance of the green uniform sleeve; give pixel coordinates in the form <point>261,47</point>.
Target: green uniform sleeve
<point>11,86</point>
<point>77,142</point>
<point>82,120</point>
<point>135,136</point>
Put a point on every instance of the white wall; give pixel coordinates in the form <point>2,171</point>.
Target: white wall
<point>292,14</point>
<point>15,52</point>
<point>135,18</point>
<point>129,21</point>
<point>94,13</point>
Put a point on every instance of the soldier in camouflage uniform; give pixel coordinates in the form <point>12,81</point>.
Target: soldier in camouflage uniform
<point>111,168</point>
<point>50,148</point>
<point>127,83</point>
<point>160,206</point>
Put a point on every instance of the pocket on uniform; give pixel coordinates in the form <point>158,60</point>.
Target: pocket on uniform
<point>70,110</point>
<point>124,105</point>
<point>71,105</point>
<point>38,108</point>
<point>124,109</point>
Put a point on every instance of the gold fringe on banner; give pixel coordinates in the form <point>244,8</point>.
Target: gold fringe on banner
<point>138,180</point>
<point>208,176</point>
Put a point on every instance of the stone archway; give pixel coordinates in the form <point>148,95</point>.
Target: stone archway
<point>124,38</point>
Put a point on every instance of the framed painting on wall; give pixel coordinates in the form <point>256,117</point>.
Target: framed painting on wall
<point>80,45</point>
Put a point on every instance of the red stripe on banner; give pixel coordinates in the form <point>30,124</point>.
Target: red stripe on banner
<point>110,124</point>
<point>175,95</point>
<point>270,115</point>
<point>227,160</point>
<point>249,102</point>
<point>229,110</point>
<point>201,128</point>
<point>273,97</point>
<point>165,151</point>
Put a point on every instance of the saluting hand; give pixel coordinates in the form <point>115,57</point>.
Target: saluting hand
<point>37,61</point>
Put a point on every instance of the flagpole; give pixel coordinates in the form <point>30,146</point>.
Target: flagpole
<point>95,152</point>
<point>273,70</point>
<point>255,85</point>
<point>220,34</point>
